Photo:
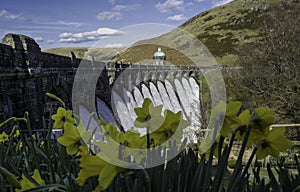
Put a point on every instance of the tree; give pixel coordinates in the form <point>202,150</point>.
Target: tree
<point>270,71</point>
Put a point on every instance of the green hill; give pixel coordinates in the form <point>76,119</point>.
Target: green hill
<point>225,30</point>
<point>80,52</point>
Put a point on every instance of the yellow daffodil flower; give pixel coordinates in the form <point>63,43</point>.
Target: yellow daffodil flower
<point>3,138</point>
<point>148,115</point>
<point>172,123</point>
<point>19,146</point>
<point>17,133</point>
<point>71,138</point>
<point>61,117</point>
<point>92,165</point>
<point>26,184</point>
<point>274,143</point>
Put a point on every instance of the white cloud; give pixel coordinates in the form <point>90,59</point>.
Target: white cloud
<point>75,24</point>
<point>88,36</point>
<point>13,17</point>
<point>108,15</point>
<point>50,41</point>
<point>39,39</point>
<point>179,17</point>
<point>125,7</point>
<point>3,12</point>
<point>221,2</point>
<point>170,5</point>
<point>7,15</point>
<point>199,0</point>
<point>112,45</point>
<point>112,1</point>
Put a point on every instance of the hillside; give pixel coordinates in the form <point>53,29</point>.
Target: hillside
<point>80,52</point>
<point>225,30</point>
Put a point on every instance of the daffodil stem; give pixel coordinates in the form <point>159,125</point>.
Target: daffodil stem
<point>7,121</point>
<point>147,179</point>
<point>249,162</point>
<point>238,165</point>
<point>220,146</point>
<point>148,133</point>
<point>222,165</point>
<point>211,154</point>
<point>56,98</point>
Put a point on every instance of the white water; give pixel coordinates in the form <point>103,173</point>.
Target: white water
<point>155,95</point>
<point>184,96</point>
<point>146,92</point>
<point>138,97</point>
<point>184,99</point>
<point>164,96</point>
<point>123,114</point>
<point>130,102</point>
<point>173,98</point>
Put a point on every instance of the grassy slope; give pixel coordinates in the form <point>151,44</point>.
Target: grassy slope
<point>224,30</point>
<point>82,52</point>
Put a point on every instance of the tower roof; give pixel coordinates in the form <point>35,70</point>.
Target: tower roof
<point>159,53</point>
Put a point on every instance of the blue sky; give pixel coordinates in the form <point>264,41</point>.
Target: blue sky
<point>68,23</point>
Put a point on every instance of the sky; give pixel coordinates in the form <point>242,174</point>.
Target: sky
<point>99,23</point>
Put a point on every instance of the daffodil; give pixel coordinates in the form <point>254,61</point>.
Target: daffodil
<point>17,133</point>
<point>111,131</point>
<point>244,122</point>
<point>148,115</point>
<point>231,120</point>
<point>131,138</point>
<point>261,120</point>
<point>41,144</point>
<point>26,184</point>
<point>61,117</point>
<point>71,138</point>
<point>173,122</point>
<point>3,137</point>
<point>19,146</point>
<point>274,143</point>
<point>92,165</point>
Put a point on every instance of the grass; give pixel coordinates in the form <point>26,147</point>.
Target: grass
<point>224,30</point>
<point>84,52</point>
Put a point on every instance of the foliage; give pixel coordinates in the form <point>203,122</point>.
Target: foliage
<point>53,168</point>
<point>269,70</point>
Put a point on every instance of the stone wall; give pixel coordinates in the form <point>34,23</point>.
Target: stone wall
<point>26,74</point>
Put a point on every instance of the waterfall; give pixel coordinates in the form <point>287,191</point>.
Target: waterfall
<point>124,116</point>
<point>173,98</point>
<point>164,96</point>
<point>155,94</point>
<point>130,102</point>
<point>180,95</point>
<point>146,92</point>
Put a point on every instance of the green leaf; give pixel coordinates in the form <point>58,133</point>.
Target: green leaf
<point>10,178</point>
